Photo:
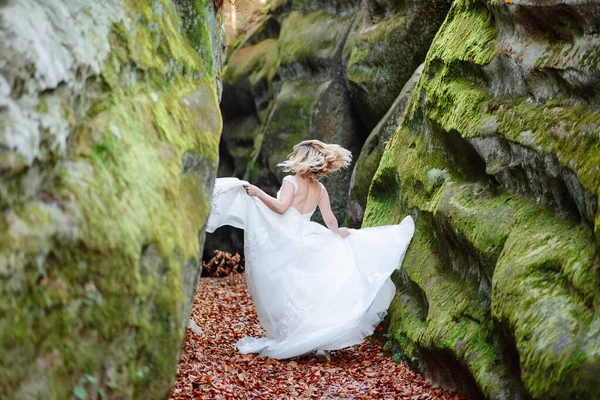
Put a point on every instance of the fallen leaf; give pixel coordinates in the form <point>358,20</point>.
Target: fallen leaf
<point>211,368</point>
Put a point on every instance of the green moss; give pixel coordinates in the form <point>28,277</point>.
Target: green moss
<point>168,131</point>
<point>196,23</point>
<point>315,34</point>
<point>233,45</point>
<point>558,128</point>
<point>482,223</point>
<point>96,272</point>
<point>16,231</point>
<point>112,71</point>
<point>288,120</point>
<point>42,107</point>
<point>468,35</point>
<point>487,268</point>
<point>252,64</point>
<point>456,319</point>
<point>163,46</point>
<point>120,214</point>
<point>569,132</point>
<point>459,98</point>
<point>365,169</point>
<point>545,290</point>
<point>365,49</point>
<point>458,102</point>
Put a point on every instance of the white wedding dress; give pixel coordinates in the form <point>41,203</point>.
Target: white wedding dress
<point>313,289</point>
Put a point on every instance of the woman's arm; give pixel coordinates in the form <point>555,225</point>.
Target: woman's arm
<point>328,217</point>
<point>280,205</point>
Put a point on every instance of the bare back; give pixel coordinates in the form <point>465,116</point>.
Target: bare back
<point>307,194</point>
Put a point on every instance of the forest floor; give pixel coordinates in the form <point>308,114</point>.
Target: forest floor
<point>211,368</point>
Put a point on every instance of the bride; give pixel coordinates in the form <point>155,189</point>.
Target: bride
<point>315,289</point>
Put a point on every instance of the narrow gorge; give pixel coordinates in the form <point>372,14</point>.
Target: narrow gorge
<point>479,118</point>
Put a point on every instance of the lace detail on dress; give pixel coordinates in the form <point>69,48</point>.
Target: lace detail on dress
<point>251,242</point>
<point>305,279</point>
<point>292,180</point>
<point>217,194</point>
<point>216,205</point>
<point>295,311</point>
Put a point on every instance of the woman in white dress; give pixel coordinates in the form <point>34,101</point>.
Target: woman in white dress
<point>315,289</point>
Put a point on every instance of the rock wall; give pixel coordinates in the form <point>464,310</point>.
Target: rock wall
<point>316,69</point>
<point>285,83</point>
<point>497,160</point>
<point>109,132</point>
<point>372,151</point>
<point>389,39</point>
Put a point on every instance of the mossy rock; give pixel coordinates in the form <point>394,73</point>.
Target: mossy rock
<point>498,293</point>
<point>250,65</point>
<point>371,152</point>
<point>386,44</point>
<point>103,214</point>
<point>333,7</point>
<point>266,27</point>
<point>293,86</point>
<point>554,139</point>
<point>287,124</point>
<point>306,111</point>
<point>311,41</point>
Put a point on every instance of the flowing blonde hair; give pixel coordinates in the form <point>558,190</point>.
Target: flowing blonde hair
<point>314,158</point>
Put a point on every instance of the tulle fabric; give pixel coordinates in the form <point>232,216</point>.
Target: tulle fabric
<point>312,288</point>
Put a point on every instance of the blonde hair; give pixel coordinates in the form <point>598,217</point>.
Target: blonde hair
<point>314,158</point>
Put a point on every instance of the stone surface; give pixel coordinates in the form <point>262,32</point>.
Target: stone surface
<point>497,161</point>
<point>371,152</point>
<point>284,82</point>
<point>388,41</point>
<point>109,132</point>
<point>316,69</point>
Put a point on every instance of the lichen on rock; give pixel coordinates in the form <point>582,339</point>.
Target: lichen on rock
<point>110,130</point>
<point>372,150</point>
<point>388,41</point>
<point>495,161</point>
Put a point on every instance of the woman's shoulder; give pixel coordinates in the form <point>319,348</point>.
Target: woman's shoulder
<point>323,190</point>
<point>290,178</point>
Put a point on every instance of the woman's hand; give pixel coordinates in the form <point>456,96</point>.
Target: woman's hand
<point>253,190</point>
<point>343,232</point>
